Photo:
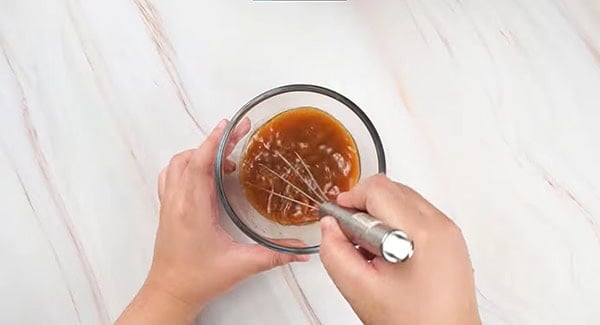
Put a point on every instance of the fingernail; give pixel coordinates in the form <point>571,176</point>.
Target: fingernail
<point>327,222</point>
<point>302,258</point>
<point>222,124</point>
<point>229,166</point>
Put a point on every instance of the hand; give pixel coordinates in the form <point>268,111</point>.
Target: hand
<point>195,260</point>
<point>435,286</point>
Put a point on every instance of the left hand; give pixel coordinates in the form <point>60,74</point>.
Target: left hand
<point>195,260</point>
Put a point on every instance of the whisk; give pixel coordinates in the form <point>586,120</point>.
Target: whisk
<point>364,230</point>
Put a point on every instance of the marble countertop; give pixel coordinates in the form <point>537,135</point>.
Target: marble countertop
<point>491,109</point>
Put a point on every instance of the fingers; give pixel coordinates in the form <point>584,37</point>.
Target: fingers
<point>176,167</point>
<point>289,242</point>
<point>344,263</point>
<point>380,197</point>
<point>254,258</point>
<point>368,192</point>
<point>229,166</point>
<point>162,177</point>
<point>240,131</point>
<point>202,160</point>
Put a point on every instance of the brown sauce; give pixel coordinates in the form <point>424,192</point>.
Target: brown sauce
<point>291,144</point>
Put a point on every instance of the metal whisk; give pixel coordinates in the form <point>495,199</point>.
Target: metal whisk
<point>364,230</point>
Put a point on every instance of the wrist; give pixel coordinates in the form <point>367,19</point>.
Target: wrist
<point>162,298</point>
<point>154,305</point>
<point>178,286</point>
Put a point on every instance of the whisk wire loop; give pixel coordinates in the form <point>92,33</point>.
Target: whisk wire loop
<point>315,193</point>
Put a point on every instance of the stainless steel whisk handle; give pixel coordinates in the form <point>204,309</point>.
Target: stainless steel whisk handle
<point>371,234</point>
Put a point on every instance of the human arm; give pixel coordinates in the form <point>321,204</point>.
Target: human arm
<point>435,286</point>
<point>194,260</point>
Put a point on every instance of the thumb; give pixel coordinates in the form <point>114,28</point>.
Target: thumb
<point>256,259</point>
<point>343,262</point>
<point>202,159</point>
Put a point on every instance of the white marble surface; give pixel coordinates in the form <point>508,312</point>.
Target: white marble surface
<point>489,108</point>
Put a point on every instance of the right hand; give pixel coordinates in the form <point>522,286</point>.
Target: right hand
<point>435,286</point>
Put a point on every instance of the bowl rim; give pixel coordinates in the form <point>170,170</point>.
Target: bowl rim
<point>381,164</point>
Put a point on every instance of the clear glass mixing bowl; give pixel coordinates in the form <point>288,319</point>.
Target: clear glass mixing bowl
<point>304,239</point>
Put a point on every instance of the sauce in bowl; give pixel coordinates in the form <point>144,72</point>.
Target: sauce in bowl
<point>299,153</point>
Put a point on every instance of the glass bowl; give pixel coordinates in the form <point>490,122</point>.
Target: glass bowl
<point>303,239</point>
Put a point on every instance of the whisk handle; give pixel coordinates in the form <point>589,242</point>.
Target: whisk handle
<point>370,233</point>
